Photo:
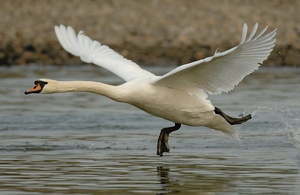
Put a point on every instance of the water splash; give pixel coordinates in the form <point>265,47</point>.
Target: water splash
<point>293,131</point>
<point>287,109</point>
<point>279,121</point>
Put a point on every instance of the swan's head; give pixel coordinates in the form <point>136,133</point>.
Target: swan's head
<point>43,86</point>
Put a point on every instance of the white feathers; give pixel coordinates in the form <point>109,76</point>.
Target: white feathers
<point>180,95</point>
<point>221,72</point>
<point>216,74</point>
<point>91,51</point>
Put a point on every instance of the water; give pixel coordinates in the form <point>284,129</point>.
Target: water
<point>87,144</point>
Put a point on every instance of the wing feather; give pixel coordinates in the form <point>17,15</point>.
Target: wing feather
<point>252,32</point>
<point>91,51</point>
<point>222,71</point>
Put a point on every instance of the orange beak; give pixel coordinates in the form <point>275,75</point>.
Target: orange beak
<point>36,89</point>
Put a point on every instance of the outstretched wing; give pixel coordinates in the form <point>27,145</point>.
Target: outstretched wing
<point>91,51</point>
<point>221,72</point>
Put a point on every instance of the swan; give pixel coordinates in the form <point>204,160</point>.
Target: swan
<point>179,96</point>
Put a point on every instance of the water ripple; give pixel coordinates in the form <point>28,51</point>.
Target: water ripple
<point>86,144</point>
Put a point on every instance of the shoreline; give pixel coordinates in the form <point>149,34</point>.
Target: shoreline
<point>280,56</point>
<point>147,32</point>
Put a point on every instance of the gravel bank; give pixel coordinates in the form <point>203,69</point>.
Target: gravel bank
<point>146,31</point>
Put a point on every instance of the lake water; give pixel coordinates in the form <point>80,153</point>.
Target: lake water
<point>80,143</point>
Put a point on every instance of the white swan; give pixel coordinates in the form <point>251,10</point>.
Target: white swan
<point>179,96</point>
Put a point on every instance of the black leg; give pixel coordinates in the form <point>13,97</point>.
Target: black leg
<point>231,120</point>
<point>162,142</point>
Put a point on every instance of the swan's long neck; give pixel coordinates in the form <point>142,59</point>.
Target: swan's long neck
<point>83,86</point>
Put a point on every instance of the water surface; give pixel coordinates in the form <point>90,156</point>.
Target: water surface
<point>80,143</point>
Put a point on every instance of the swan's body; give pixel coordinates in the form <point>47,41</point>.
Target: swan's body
<point>179,96</point>
<point>189,109</point>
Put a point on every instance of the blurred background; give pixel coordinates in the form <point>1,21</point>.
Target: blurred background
<point>152,32</point>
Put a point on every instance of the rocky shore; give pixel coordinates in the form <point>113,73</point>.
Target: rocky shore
<point>149,32</point>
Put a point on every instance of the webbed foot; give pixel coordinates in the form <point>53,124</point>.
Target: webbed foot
<point>162,142</point>
<point>231,120</point>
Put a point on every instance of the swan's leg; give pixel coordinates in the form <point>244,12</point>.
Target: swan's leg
<point>231,120</point>
<point>162,142</point>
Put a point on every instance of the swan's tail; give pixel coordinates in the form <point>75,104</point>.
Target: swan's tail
<point>220,124</point>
